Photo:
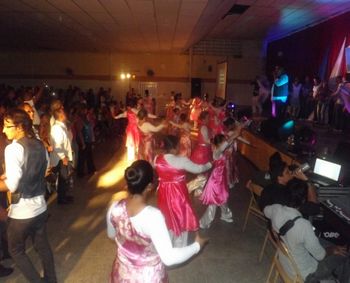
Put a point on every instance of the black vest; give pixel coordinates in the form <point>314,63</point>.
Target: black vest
<point>32,182</point>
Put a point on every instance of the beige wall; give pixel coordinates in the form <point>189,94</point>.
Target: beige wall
<point>171,71</point>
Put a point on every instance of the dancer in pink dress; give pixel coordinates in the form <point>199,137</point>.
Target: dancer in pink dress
<point>196,109</point>
<point>202,153</point>
<point>215,192</point>
<point>185,135</point>
<point>216,115</point>
<point>173,198</point>
<point>147,142</point>
<point>143,246</point>
<point>132,131</point>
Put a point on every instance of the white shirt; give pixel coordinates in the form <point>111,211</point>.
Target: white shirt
<point>61,143</point>
<point>184,163</point>
<point>147,128</point>
<point>26,207</point>
<point>205,134</point>
<point>157,231</point>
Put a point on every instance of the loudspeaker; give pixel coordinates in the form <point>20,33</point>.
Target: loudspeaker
<point>196,87</point>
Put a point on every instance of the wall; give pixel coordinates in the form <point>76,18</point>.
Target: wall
<point>171,71</point>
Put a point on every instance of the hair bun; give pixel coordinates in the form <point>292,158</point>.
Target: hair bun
<point>132,175</point>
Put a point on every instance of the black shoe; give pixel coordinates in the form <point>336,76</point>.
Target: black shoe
<point>5,271</point>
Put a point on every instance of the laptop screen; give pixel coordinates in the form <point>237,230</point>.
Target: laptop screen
<point>327,169</point>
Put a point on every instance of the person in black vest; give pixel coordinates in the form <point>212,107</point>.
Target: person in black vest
<point>28,211</point>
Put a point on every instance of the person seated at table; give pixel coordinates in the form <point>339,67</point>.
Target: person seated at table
<point>263,178</point>
<point>316,261</point>
<point>140,232</point>
<point>278,192</point>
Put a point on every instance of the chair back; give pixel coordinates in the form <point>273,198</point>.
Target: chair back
<point>277,267</point>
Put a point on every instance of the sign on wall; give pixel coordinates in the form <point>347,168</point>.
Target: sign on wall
<point>221,80</point>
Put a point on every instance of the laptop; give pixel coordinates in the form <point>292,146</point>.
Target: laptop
<point>325,173</point>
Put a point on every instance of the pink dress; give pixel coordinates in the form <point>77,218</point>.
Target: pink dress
<point>132,130</point>
<point>173,198</point>
<point>202,153</point>
<point>137,260</point>
<point>216,121</point>
<point>196,109</point>
<point>147,145</point>
<point>216,189</point>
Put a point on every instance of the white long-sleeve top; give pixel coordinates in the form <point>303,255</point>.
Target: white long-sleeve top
<point>147,128</point>
<point>157,231</point>
<point>184,163</point>
<point>300,239</point>
<point>61,143</point>
<point>205,134</point>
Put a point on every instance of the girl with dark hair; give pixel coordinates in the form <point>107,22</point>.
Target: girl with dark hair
<point>173,196</point>
<point>147,142</point>
<point>144,246</point>
<point>215,192</point>
<point>185,135</point>
<point>202,151</point>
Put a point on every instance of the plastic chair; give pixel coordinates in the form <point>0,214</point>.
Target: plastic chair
<point>253,208</point>
<point>276,270</point>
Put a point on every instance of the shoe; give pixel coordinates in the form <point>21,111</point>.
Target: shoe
<point>226,219</point>
<point>5,271</point>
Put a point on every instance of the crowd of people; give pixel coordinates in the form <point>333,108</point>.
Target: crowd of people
<point>57,130</point>
<point>309,99</point>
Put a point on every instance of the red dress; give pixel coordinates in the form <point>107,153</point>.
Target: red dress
<point>132,130</point>
<point>173,198</point>
<point>202,153</point>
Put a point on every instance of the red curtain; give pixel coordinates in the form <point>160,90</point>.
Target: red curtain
<point>304,52</point>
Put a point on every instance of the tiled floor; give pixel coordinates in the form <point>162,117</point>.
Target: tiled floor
<point>83,253</point>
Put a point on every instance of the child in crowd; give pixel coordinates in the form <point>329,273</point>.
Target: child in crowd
<point>185,135</point>
<point>215,192</point>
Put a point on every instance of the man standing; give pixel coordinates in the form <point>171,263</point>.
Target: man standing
<point>61,155</point>
<point>28,212</point>
<point>279,93</point>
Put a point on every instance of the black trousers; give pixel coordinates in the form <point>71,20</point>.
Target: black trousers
<point>63,180</point>
<point>18,230</point>
<point>85,157</point>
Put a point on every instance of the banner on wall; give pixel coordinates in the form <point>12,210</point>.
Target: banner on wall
<point>221,80</point>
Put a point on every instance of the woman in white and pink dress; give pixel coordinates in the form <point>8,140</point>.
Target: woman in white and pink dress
<point>143,246</point>
<point>147,142</point>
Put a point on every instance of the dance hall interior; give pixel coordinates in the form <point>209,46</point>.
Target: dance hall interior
<point>182,141</point>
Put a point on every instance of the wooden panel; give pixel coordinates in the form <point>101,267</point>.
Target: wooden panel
<point>261,151</point>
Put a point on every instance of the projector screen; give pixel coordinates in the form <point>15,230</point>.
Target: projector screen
<point>221,80</point>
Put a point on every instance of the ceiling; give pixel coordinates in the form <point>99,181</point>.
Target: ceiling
<point>151,25</point>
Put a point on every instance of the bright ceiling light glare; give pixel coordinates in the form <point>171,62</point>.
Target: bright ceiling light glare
<point>128,76</point>
<point>122,76</point>
<point>133,77</point>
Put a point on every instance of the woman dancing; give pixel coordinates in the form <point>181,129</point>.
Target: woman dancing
<point>215,192</point>
<point>147,143</point>
<point>144,246</point>
<point>173,198</point>
<point>132,131</point>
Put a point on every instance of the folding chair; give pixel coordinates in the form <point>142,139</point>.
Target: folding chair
<point>276,270</point>
<point>253,208</point>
